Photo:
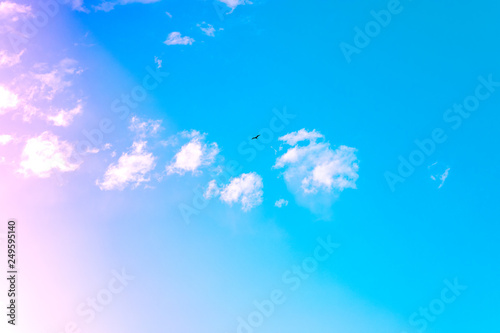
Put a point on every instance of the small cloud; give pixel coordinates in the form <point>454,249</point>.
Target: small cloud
<point>175,38</point>
<point>439,173</point>
<point>235,3</point>
<point>146,128</point>
<point>133,168</point>
<point>8,100</point>
<point>158,62</point>
<point>9,60</point>
<point>45,154</point>
<point>207,29</point>
<point>168,14</point>
<point>245,189</point>
<point>105,6</point>
<point>281,202</point>
<point>212,190</point>
<point>193,155</point>
<point>78,6</point>
<point>443,177</point>
<point>65,117</point>
<point>5,139</point>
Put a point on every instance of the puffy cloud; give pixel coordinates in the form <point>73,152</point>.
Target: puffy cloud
<point>193,155</point>
<point>8,100</point>
<point>8,59</point>
<point>281,202</point>
<point>5,139</point>
<point>133,168</point>
<point>65,117</point>
<point>45,154</point>
<point>317,167</point>
<point>207,29</point>
<point>245,189</point>
<point>175,38</point>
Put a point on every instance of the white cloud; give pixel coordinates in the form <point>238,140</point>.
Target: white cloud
<point>10,10</point>
<point>158,62</point>
<point>8,60</point>
<point>133,168</point>
<point>207,29</point>
<point>443,177</point>
<point>212,190</point>
<point>245,189</point>
<point>301,135</point>
<point>316,167</point>
<point>56,81</point>
<point>168,14</point>
<point>107,6</point>
<point>65,117</point>
<point>5,139</point>
<point>193,155</point>
<point>78,6</point>
<point>45,154</point>
<point>144,128</point>
<point>8,100</point>
<point>174,38</point>
<point>235,3</point>
<point>281,202</point>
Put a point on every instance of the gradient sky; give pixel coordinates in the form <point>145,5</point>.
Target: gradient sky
<point>125,146</point>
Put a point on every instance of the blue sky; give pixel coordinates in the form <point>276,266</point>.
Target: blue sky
<point>230,70</point>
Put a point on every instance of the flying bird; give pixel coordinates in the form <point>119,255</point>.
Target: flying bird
<point>255,137</point>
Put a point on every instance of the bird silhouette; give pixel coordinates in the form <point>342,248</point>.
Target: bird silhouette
<point>255,137</point>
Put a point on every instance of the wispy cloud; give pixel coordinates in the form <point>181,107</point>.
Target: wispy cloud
<point>158,62</point>
<point>245,189</point>
<point>10,59</point>
<point>175,38</point>
<point>207,29</point>
<point>281,202</point>
<point>12,10</point>
<point>235,3</point>
<point>193,155</point>
<point>132,169</point>
<point>107,6</point>
<point>45,154</point>
<point>65,117</point>
<point>146,128</point>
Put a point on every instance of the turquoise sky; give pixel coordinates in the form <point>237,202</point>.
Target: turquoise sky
<point>125,144</point>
